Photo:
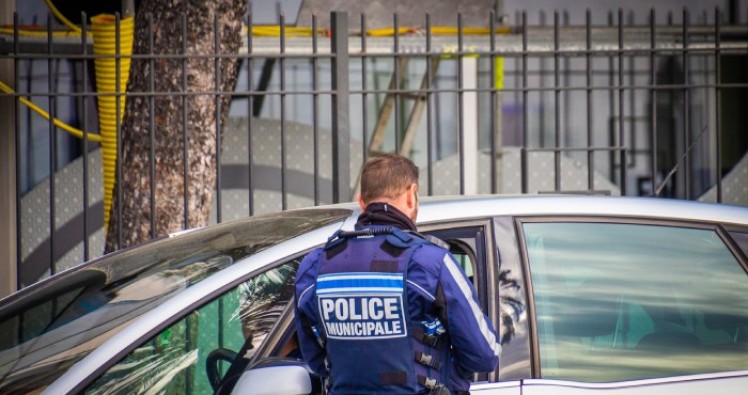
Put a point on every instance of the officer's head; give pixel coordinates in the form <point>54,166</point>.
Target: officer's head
<point>391,179</point>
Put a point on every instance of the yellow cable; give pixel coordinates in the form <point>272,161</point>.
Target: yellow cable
<point>39,33</point>
<point>75,132</point>
<point>388,31</point>
<point>439,30</point>
<point>274,31</point>
<point>65,21</point>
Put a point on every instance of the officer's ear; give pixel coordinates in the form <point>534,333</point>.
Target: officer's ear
<point>412,196</point>
<point>361,202</point>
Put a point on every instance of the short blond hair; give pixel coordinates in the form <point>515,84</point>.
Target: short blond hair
<point>388,176</point>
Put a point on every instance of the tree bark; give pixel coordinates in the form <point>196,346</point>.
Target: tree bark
<point>167,122</point>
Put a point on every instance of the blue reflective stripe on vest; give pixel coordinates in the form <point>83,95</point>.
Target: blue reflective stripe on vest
<point>359,282</point>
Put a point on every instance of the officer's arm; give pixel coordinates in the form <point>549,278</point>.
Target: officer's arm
<point>306,317</point>
<point>471,333</point>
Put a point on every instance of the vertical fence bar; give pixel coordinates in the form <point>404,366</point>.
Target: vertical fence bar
<point>718,99</point>
<point>621,120</point>
<point>460,110</point>
<point>541,91</point>
<point>16,109</point>
<point>429,108</point>
<point>8,163</point>
<point>315,109</point>
<point>219,126</point>
<point>84,115</point>
<point>250,97</point>
<point>567,91</point>
<point>556,104</point>
<point>653,99</point>
<point>52,102</point>
<point>340,108</point>
<point>152,126</point>
<point>525,117</point>
<point>118,111</point>
<point>218,98</point>
<point>632,102</point>
<point>185,135</point>
<point>588,80</point>
<point>492,112</point>
<point>282,64</point>
<point>686,107</point>
<point>364,89</point>
<point>611,106</point>
<point>398,84</point>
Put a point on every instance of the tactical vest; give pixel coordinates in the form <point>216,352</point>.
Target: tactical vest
<point>362,302</point>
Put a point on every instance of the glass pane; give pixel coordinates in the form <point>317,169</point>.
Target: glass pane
<point>174,361</point>
<point>623,301</point>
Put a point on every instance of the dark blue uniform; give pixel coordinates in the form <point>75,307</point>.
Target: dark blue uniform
<point>389,312</point>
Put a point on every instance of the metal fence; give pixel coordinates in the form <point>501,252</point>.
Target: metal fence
<point>614,108</point>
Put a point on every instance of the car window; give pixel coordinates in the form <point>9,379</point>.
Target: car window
<point>176,360</point>
<point>47,328</point>
<point>467,245</point>
<point>627,301</point>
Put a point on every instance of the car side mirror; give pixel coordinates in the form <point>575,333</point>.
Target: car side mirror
<point>283,378</point>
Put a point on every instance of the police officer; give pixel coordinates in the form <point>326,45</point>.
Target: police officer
<point>383,310</point>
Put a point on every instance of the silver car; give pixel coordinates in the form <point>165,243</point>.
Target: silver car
<point>590,295</point>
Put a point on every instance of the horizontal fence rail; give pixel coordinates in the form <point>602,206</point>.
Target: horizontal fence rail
<point>612,108</point>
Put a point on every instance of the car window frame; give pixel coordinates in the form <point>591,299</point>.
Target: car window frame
<point>719,228</point>
<point>508,244</point>
<point>483,286</point>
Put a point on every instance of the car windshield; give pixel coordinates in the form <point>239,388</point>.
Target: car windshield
<point>47,328</point>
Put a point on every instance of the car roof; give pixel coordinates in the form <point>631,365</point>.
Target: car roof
<point>451,208</point>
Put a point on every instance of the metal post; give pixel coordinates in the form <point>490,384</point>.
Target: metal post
<point>52,100</point>
<point>7,169</point>
<point>653,100</point>
<point>588,81</point>
<point>621,119</point>
<point>341,185</point>
<point>718,101</point>
<point>686,111</point>
<point>556,104</point>
<point>525,115</point>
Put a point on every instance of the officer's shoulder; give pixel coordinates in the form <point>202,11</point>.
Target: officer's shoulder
<point>435,241</point>
<point>432,247</point>
<point>309,261</point>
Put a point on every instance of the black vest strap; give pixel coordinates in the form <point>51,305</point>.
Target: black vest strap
<point>394,378</point>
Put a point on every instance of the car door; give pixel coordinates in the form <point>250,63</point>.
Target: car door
<point>634,306</point>
<point>472,244</point>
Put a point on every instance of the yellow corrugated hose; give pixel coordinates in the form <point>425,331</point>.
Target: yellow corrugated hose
<point>105,43</point>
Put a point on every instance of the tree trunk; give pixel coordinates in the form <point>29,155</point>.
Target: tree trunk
<point>167,122</point>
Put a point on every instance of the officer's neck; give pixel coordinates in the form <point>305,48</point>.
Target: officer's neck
<point>383,213</point>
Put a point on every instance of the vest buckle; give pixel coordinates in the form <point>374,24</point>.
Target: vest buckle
<point>434,387</point>
<point>428,360</point>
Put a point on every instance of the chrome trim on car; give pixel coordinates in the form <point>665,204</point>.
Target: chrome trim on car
<point>637,383</point>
